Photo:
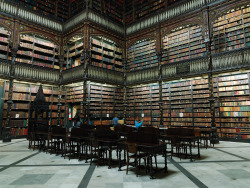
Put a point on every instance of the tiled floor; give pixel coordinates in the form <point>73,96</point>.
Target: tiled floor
<point>227,165</point>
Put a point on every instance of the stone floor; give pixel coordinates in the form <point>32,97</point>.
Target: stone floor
<point>224,166</point>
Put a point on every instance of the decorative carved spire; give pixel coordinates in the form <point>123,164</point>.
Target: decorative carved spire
<point>40,95</point>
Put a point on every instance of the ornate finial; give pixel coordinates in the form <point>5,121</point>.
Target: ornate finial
<point>40,95</point>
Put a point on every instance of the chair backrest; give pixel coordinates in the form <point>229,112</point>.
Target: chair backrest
<point>152,130</point>
<point>132,137</point>
<point>103,127</point>
<point>79,132</point>
<point>131,147</point>
<point>148,138</point>
<point>128,129</point>
<point>105,134</point>
<point>197,132</point>
<point>187,132</point>
<point>42,129</point>
<point>120,128</point>
<point>180,132</point>
<point>58,130</point>
<point>175,140</point>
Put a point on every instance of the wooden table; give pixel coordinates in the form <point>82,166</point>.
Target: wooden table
<point>153,150</point>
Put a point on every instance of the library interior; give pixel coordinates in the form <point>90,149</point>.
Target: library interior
<point>124,93</point>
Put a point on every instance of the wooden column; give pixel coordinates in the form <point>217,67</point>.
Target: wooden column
<point>59,104</point>
<point>159,57</point>
<point>6,130</point>
<point>14,48</point>
<point>56,10</point>
<point>85,58</point>
<point>125,104</point>
<point>208,36</point>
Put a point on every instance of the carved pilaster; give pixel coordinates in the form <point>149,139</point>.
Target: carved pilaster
<point>159,55</point>
<point>59,104</point>
<point>207,38</point>
<point>6,131</point>
<point>124,61</point>
<point>84,105</point>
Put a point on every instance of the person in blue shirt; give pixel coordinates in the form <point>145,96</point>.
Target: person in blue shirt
<point>115,121</point>
<point>137,125</point>
<point>90,122</point>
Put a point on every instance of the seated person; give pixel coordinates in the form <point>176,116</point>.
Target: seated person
<point>115,121</point>
<point>137,125</point>
<point>77,124</point>
<point>90,122</point>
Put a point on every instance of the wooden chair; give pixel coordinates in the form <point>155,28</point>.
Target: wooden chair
<point>72,145</point>
<point>178,145</point>
<point>132,153</point>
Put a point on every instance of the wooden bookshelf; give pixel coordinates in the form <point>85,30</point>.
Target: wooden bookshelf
<point>155,109</point>
<point>142,54</point>
<point>231,31</point>
<point>62,10</point>
<point>73,51</point>
<point>138,9</point>
<point>106,53</point>
<point>4,43</point>
<point>76,6</point>
<point>37,50</point>
<point>200,103</point>
<point>166,87</point>
<point>46,8</point>
<point>41,7</point>
<point>23,95</point>
<point>181,103</point>
<point>113,9</point>
<point>183,43</point>
<point>105,103</point>
<point>131,106</point>
<point>75,94</point>
<point>143,103</point>
<point>232,92</point>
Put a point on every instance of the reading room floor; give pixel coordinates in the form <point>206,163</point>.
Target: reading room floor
<point>224,166</point>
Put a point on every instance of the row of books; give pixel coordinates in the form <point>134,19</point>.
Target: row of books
<point>235,109</point>
<point>100,44</point>
<point>30,46</point>
<point>4,48</point>
<point>19,131</point>
<point>76,46</point>
<point>31,54</point>
<point>239,103</point>
<point>17,106</point>
<point>235,114</point>
<point>233,88</point>
<point>16,114</point>
<point>4,39</point>
<point>3,31</point>
<point>35,40</point>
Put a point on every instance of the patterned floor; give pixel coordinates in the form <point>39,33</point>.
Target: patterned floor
<point>227,165</point>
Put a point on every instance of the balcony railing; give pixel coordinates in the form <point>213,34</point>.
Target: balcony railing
<point>169,13</point>
<point>237,59</point>
<point>15,11</point>
<point>94,74</point>
<point>233,60</point>
<point>4,68</point>
<point>32,73</point>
